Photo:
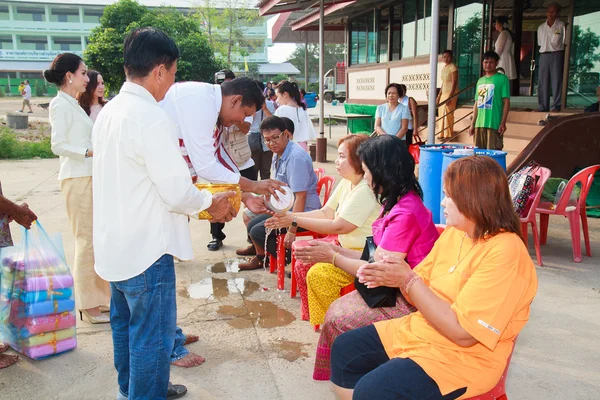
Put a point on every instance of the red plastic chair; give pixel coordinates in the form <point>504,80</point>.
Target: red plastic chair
<point>278,261</point>
<point>585,177</point>
<point>499,391</point>
<point>320,172</point>
<point>543,174</point>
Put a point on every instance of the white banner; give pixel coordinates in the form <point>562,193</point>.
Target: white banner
<point>33,54</point>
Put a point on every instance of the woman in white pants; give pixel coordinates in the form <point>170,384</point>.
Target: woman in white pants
<point>72,141</point>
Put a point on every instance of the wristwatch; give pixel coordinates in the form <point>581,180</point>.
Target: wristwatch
<point>294,223</point>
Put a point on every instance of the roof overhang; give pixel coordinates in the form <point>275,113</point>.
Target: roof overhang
<point>271,7</point>
<point>314,16</point>
<point>282,32</point>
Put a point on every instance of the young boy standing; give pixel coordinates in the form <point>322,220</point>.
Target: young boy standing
<point>492,104</point>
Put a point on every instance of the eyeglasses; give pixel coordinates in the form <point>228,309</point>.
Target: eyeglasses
<point>272,138</point>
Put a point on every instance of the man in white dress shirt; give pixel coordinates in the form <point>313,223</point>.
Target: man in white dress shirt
<point>551,39</point>
<point>142,198</point>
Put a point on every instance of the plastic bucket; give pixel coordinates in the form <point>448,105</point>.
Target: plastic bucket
<point>430,175</point>
<point>311,99</point>
<point>448,158</point>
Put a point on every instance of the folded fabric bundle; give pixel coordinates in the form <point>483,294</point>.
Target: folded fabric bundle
<point>34,264</point>
<point>24,310</point>
<point>45,350</point>
<point>47,282</point>
<point>47,323</point>
<point>45,295</point>
<point>43,338</point>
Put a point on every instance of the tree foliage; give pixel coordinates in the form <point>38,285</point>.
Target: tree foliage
<point>225,23</point>
<point>334,53</point>
<point>583,58</point>
<point>105,49</point>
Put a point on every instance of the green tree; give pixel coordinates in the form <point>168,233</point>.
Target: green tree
<point>225,23</point>
<point>334,53</point>
<point>2,94</point>
<point>39,89</point>
<point>105,49</point>
<point>583,58</point>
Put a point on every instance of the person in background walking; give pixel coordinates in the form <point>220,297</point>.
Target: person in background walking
<point>492,104</point>
<point>449,89</point>
<point>504,48</point>
<point>72,140</point>
<point>92,100</point>
<point>551,39</point>
<point>26,93</point>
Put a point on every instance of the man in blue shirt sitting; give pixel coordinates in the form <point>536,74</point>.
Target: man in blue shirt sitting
<point>293,166</point>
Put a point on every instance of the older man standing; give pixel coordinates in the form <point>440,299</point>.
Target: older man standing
<point>142,198</point>
<point>551,39</point>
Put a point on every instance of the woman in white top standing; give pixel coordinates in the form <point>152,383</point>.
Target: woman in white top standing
<point>291,106</point>
<point>92,100</point>
<point>72,141</point>
<point>411,103</point>
<point>504,48</point>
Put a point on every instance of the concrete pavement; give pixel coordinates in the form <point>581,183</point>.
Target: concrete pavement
<point>251,334</point>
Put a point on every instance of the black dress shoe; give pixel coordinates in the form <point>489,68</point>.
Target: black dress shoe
<point>214,245</point>
<point>175,391</point>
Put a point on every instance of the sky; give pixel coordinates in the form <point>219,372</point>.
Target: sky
<point>279,52</point>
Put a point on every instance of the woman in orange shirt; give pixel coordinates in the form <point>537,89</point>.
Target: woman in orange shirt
<point>473,293</point>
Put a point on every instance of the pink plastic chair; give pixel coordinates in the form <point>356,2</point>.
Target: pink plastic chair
<point>320,172</point>
<point>543,174</point>
<point>585,177</point>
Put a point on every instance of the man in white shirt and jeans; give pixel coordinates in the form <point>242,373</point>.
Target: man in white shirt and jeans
<point>551,39</point>
<point>26,98</point>
<point>143,196</point>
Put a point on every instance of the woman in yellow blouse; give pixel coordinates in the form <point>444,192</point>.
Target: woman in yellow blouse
<point>449,88</point>
<point>349,213</point>
<point>72,140</point>
<point>473,293</point>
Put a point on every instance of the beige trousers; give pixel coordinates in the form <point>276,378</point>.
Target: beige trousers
<point>90,290</point>
<point>446,124</point>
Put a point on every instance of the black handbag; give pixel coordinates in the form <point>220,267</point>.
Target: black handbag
<point>382,296</point>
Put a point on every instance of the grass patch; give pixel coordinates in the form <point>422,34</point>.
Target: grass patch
<point>14,148</point>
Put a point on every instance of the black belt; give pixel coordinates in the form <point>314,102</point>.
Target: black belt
<point>550,52</point>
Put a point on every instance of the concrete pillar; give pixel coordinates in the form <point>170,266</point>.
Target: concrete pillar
<point>321,140</point>
<point>47,12</point>
<point>433,64</point>
<point>306,72</point>
<point>11,13</point>
<point>81,14</point>
<point>49,38</point>
<point>82,43</point>
<point>14,40</point>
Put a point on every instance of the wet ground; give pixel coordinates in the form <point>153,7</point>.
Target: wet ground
<point>251,334</point>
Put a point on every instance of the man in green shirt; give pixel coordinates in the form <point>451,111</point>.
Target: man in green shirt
<point>492,103</point>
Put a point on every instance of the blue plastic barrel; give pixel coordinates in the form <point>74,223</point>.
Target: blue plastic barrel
<point>430,175</point>
<point>448,158</point>
<point>311,99</point>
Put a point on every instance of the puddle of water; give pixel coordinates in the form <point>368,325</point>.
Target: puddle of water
<point>289,351</point>
<point>222,267</point>
<point>264,313</point>
<point>219,288</point>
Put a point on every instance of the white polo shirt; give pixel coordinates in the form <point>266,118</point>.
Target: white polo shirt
<point>551,38</point>
<point>143,193</point>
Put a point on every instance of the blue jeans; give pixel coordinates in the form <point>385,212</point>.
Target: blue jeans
<point>143,316</point>
<point>178,350</point>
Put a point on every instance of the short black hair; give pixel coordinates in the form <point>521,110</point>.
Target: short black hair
<point>491,54</point>
<point>228,74</point>
<point>272,123</point>
<point>289,125</point>
<point>63,63</point>
<point>398,89</point>
<point>146,48</point>
<point>247,88</point>
<point>449,52</point>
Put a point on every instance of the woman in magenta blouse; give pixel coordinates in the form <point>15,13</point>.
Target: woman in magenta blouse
<point>404,228</point>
